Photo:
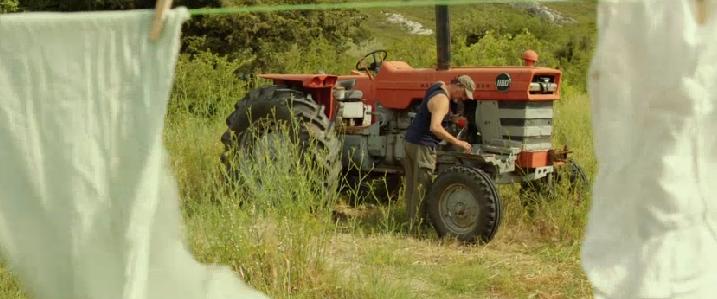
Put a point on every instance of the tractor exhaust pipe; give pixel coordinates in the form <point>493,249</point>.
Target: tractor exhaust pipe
<point>443,37</point>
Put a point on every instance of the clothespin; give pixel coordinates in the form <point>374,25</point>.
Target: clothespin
<point>159,11</point>
<point>701,11</point>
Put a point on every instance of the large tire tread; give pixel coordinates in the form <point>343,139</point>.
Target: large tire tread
<point>483,187</point>
<point>315,126</point>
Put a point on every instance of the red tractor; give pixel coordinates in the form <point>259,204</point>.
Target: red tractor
<point>509,125</point>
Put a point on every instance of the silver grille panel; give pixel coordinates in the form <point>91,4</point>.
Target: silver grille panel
<point>527,125</point>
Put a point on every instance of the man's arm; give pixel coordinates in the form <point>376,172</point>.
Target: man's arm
<point>439,106</point>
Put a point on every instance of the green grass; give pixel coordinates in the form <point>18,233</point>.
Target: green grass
<point>273,239</point>
<point>286,240</point>
<point>9,288</point>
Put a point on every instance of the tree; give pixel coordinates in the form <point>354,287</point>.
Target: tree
<point>263,35</point>
<point>257,37</point>
<point>7,6</point>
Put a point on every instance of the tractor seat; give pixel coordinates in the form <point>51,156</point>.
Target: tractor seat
<point>397,67</point>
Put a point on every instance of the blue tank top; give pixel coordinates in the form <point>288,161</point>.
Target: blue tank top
<point>419,132</point>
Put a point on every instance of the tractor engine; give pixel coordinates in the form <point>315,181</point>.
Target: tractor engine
<point>521,129</point>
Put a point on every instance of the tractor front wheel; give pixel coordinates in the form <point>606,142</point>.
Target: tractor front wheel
<point>464,203</point>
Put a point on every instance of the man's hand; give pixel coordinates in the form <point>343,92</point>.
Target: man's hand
<point>465,146</point>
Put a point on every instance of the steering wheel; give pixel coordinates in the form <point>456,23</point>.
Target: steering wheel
<point>375,65</point>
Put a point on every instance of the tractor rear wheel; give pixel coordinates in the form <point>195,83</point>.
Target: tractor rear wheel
<point>265,110</point>
<point>464,203</point>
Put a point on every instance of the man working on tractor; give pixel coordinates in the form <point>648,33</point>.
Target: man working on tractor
<point>425,133</point>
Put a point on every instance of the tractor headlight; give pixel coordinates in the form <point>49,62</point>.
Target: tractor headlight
<point>543,87</point>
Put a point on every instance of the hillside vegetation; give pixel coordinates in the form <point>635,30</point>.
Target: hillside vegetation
<point>285,240</point>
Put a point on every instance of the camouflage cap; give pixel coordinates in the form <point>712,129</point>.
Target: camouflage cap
<point>467,83</point>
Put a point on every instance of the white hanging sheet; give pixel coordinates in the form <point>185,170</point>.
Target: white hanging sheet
<point>651,229</point>
<point>88,205</point>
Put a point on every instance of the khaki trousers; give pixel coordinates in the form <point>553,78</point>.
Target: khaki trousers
<point>420,163</point>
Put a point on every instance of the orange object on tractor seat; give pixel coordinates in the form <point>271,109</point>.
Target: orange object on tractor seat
<point>530,58</point>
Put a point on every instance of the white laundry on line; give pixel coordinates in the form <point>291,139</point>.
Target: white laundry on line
<point>88,205</point>
<point>653,84</point>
